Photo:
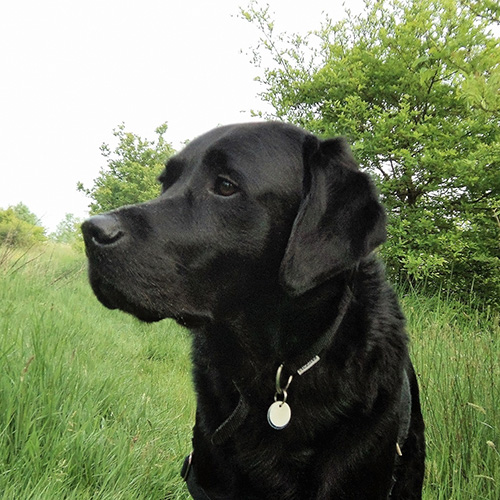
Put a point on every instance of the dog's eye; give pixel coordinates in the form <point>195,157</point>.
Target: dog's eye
<point>225,187</point>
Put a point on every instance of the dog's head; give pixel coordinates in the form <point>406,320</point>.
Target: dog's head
<point>245,211</point>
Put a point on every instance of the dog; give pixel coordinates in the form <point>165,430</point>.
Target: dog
<point>262,244</point>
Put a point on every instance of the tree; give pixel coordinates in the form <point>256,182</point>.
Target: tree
<point>25,214</point>
<point>131,171</point>
<point>19,227</point>
<point>414,84</point>
<point>68,230</point>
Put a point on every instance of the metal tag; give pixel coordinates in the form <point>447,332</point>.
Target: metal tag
<point>279,415</point>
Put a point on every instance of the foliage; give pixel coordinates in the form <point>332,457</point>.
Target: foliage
<point>20,227</point>
<point>131,171</point>
<point>68,230</point>
<point>25,214</point>
<point>414,84</point>
<point>94,405</point>
<point>486,9</point>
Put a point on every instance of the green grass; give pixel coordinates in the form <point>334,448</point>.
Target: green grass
<point>95,405</point>
<point>456,354</point>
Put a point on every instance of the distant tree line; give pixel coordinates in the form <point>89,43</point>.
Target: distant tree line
<point>19,227</point>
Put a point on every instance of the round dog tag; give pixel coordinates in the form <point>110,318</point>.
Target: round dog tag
<point>279,415</point>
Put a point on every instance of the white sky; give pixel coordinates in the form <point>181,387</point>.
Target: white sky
<point>71,71</point>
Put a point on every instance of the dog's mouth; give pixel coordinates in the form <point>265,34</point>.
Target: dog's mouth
<point>112,298</point>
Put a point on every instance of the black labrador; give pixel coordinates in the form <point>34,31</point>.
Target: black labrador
<point>262,244</point>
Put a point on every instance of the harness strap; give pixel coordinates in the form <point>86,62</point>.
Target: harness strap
<point>404,422</point>
<point>405,415</point>
<point>232,423</point>
<point>189,476</point>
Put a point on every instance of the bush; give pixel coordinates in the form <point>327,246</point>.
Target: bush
<point>14,231</point>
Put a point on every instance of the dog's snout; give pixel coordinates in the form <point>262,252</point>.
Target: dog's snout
<point>102,230</point>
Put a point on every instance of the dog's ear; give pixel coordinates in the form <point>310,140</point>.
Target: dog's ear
<point>339,221</point>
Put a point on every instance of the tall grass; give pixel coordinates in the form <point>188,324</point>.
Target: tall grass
<point>95,405</point>
<point>456,354</point>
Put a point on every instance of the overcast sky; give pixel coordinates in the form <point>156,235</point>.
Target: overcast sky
<point>71,71</point>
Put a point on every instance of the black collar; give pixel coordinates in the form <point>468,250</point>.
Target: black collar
<point>298,366</point>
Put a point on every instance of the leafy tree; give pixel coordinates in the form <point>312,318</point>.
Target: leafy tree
<point>68,230</point>
<point>25,214</point>
<point>131,171</point>
<point>414,84</point>
<point>19,227</point>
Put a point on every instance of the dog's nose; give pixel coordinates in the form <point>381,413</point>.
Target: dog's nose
<point>102,230</point>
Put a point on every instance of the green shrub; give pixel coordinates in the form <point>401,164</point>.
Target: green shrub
<point>16,232</point>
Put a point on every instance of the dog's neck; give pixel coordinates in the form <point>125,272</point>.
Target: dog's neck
<point>307,319</point>
<point>263,374</point>
<point>293,327</point>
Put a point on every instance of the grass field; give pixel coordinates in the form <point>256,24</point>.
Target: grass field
<point>95,405</point>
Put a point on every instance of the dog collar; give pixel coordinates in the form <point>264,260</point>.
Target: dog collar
<point>279,412</point>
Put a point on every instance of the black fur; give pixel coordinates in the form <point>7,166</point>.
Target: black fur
<point>259,230</point>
